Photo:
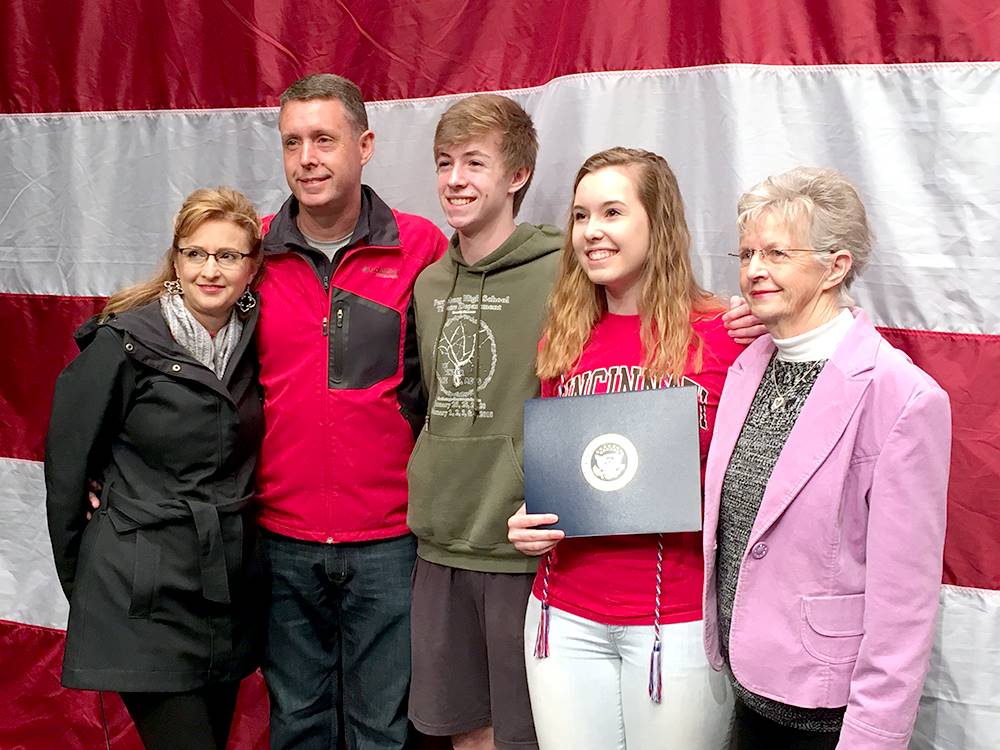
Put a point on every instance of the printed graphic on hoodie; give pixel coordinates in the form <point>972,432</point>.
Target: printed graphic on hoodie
<point>466,355</point>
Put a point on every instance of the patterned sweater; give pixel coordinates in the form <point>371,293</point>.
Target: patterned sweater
<point>782,392</point>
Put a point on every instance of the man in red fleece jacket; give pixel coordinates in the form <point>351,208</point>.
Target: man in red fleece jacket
<point>342,402</point>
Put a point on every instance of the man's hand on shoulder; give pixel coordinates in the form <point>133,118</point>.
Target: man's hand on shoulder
<point>742,325</point>
<point>95,502</point>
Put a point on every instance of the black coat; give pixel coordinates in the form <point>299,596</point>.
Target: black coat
<point>163,582</point>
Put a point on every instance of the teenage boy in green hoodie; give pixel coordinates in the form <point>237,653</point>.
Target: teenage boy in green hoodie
<point>479,313</point>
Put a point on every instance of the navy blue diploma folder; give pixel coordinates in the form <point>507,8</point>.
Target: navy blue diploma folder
<point>619,463</point>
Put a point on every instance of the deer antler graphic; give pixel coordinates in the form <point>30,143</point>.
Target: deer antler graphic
<point>459,348</point>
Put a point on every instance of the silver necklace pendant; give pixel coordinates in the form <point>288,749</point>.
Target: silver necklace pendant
<point>778,403</point>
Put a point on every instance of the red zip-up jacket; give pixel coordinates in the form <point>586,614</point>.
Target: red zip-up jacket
<point>340,375</point>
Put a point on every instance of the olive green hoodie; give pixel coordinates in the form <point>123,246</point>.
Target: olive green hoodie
<point>477,328</point>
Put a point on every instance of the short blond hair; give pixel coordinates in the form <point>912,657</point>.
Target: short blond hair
<point>824,202</point>
<point>481,114</point>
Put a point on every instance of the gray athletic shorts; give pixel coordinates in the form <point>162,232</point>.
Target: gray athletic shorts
<point>467,631</point>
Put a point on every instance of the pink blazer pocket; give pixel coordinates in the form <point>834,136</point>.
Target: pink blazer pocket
<point>832,627</point>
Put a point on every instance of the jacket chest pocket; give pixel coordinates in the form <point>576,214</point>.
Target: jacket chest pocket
<point>364,342</point>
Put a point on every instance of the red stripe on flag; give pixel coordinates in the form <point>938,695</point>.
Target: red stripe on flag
<point>966,367</point>
<point>243,54</point>
<point>38,343</point>
<point>40,713</point>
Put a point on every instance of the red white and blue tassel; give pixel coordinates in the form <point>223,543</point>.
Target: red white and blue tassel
<point>655,660</point>
<point>655,672</point>
<point>542,638</point>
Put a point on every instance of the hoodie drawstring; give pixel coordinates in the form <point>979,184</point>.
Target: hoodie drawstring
<point>434,385</point>
<point>475,348</point>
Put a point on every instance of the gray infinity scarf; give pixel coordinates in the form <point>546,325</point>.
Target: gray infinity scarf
<point>189,333</point>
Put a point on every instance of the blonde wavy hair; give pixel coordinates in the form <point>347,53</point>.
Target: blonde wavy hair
<point>203,205</point>
<point>668,294</point>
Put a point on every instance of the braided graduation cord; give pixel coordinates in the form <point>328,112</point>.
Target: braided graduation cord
<point>655,666</point>
<point>542,638</point>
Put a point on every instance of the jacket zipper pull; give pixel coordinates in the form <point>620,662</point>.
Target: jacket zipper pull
<point>324,326</point>
<point>340,317</point>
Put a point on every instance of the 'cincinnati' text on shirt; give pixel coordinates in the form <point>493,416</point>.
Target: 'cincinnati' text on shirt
<point>624,378</point>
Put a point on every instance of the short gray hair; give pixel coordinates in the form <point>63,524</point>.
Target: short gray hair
<point>330,86</point>
<point>828,204</point>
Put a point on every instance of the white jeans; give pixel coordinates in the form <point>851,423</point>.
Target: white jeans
<point>592,691</point>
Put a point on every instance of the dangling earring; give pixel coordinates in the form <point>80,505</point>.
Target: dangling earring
<point>247,301</point>
<point>173,287</point>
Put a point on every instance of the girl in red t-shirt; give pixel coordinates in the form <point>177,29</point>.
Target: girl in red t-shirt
<point>613,640</point>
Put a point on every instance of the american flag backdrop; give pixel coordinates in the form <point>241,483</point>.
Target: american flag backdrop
<point>111,111</point>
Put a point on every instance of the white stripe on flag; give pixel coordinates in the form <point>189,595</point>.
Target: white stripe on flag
<point>29,587</point>
<point>960,707</point>
<point>921,141</point>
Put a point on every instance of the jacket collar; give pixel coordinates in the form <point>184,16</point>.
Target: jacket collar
<point>376,226</point>
<point>832,402</point>
<point>855,354</point>
<point>147,339</point>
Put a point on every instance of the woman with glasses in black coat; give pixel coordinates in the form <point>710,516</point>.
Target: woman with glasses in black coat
<point>162,409</point>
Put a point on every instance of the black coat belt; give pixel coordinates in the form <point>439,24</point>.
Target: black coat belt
<point>129,514</point>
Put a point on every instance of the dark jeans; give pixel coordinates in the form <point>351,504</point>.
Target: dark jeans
<point>755,732</point>
<point>338,641</point>
<point>196,720</point>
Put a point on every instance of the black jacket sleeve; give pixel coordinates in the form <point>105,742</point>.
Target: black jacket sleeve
<point>87,411</point>
<point>411,393</point>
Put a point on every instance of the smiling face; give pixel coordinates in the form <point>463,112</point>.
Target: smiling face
<point>323,154</point>
<point>475,187</point>
<point>791,294</point>
<point>611,235</point>
<point>209,290</point>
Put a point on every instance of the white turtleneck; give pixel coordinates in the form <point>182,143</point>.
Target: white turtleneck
<point>819,343</point>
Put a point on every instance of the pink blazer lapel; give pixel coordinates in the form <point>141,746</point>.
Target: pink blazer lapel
<point>824,417</point>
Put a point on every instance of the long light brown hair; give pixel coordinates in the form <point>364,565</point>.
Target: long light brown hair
<point>204,204</point>
<point>668,295</point>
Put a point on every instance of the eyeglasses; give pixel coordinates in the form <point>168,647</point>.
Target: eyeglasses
<point>772,256</point>
<point>195,256</point>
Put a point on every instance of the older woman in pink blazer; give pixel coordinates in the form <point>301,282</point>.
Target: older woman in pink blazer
<point>825,490</point>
